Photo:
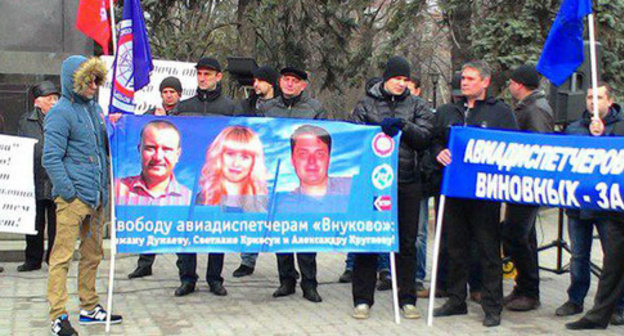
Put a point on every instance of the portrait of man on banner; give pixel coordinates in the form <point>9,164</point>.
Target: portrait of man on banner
<point>310,149</point>
<point>159,149</point>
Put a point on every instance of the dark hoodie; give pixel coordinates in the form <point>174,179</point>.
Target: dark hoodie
<point>206,103</point>
<point>614,126</point>
<point>75,148</point>
<point>377,105</point>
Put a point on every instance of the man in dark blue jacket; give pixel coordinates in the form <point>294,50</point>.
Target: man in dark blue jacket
<point>76,160</point>
<point>609,301</point>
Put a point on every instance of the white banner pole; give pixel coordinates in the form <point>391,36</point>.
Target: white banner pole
<point>436,255</point>
<point>113,248</point>
<point>395,292</point>
<point>593,63</point>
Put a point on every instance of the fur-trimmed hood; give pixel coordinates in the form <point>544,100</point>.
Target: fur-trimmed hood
<point>77,72</point>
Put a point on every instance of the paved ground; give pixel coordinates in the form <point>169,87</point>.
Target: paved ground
<point>149,307</point>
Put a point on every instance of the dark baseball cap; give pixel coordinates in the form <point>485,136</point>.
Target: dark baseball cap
<point>45,88</point>
<point>295,71</point>
<point>267,74</point>
<point>209,63</point>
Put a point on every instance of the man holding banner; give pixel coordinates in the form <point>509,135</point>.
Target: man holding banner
<point>609,302</point>
<point>294,103</point>
<point>389,103</point>
<point>208,101</point>
<point>473,221</point>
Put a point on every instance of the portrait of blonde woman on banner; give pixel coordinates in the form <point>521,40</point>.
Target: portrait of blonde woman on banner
<point>234,173</point>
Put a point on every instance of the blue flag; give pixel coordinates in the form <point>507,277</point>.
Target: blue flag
<point>133,61</point>
<point>563,50</point>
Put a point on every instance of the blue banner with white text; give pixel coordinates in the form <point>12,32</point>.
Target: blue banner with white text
<point>228,184</point>
<point>580,172</point>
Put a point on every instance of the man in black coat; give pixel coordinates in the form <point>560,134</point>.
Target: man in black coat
<point>533,114</point>
<point>473,221</point>
<point>31,125</point>
<point>208,101</point>
<point>389,104</point>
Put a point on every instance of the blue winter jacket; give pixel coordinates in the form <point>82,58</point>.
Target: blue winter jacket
<point>76,147</point>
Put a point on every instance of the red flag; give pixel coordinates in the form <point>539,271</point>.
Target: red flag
<point>92,19</point>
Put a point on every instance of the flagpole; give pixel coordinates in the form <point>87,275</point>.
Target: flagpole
<point>593,63</point>
<point>436,256</point>
<point>111,7</point>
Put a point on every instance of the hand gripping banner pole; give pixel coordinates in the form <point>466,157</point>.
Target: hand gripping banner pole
<point>436,255</point>
<point>395,292</point>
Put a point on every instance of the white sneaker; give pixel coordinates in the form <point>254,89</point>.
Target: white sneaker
<point>410,311</point>
<point>361,311</point>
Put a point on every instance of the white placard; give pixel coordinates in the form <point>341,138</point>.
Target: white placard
<point>17,185</point>
<point>149,96</point>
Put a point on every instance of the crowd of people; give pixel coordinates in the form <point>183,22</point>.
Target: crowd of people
<point>72,165</point>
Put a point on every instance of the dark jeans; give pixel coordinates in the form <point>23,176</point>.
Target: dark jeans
<point>364,271</point>
<point>45,212</point>
<point>611,285</point>
<point>520,244</point>
<point>383,262</point>
<point>187,266</point>
<point>307,267</point>
<point>470,222</point>
<point>581,237</point>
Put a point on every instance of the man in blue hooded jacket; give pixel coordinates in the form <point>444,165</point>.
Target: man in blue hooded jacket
<point>75,158</point>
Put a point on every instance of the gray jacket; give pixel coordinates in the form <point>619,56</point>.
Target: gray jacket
<point>533,113</point>
<point>301,106</point>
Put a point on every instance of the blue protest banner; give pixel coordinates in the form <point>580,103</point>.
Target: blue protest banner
<point>553,170</point>
<point>221,184</point>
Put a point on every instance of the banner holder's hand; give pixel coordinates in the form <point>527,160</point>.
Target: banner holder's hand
<point>444,157</point>
<point>596,127</point>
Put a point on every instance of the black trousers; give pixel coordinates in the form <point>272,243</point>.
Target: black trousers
<point>146,260</point>
<point>611,284</point>
<point>288,274</point>
<point>365,266</point>
<point>474,222</point>
<point>474,277</point>
<point>46,213</point>
<point>520,244</point>
<point>187,266</point>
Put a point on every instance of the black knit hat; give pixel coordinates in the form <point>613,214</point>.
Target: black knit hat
<point>395,67</point>
<point>267,74</point>
<point>171,82</point>
<point>296,71</point>
<point>44,88</point>
<point>526,75</point>
<point>208,62</point>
